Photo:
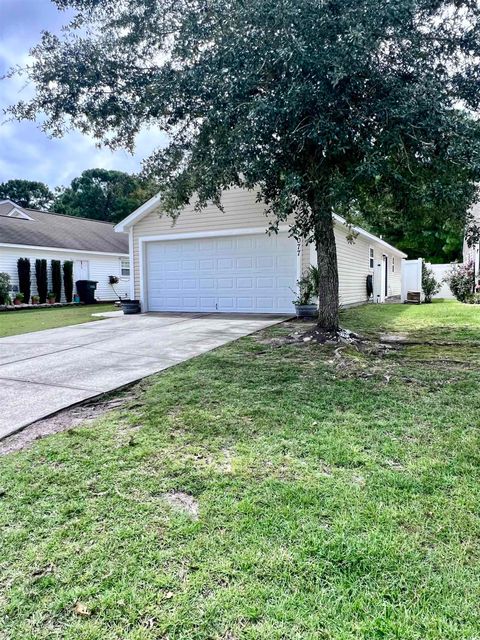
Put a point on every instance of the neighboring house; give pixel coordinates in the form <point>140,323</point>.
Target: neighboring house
<point>224,261</point>
<point>95,249</point>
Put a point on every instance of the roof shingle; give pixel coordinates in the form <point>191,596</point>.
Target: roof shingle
<point>56,230</point>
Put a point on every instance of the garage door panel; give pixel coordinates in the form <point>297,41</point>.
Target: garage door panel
<point>244,262</point>
<point>244,283</point>
<point>225,283</point>
<point>206,265</point>
<point>266,283</point>
<point>252,273</point>
<point>225,263</point>
<point>245,303</point>
<point>265,262</point>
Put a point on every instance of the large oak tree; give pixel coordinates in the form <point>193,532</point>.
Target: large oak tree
<point>103,194</point>
<point>320,105</point>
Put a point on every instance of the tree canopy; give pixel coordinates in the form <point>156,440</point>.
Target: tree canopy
<point>103,195</point>
<point>355,106</point>
<point>27,193</point>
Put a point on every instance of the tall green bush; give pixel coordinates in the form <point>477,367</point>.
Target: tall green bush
<point>56,268</point>
<point>430,286</point>
<point>4,287</point>
<point>68,280</point>
<point>42,279</point>
<point>24,278</point>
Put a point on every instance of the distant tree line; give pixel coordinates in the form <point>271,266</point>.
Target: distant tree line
<point>100,194</point>
<point>112,195</point>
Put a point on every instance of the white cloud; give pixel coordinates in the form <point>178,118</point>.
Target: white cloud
<point>27,152</point>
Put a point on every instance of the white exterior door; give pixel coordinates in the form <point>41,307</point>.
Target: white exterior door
<point>81,270</point>
<point>244,274</point>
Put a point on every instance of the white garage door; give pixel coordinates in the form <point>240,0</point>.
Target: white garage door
<point>247,274</point>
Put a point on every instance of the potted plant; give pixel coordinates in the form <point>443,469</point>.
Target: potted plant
<point>35,299</point>
<point>307,288</point>
<point>51,297</point>
<point>129,307</point>
<point>19,298</point>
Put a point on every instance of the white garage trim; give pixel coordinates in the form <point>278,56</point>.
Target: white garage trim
<point>143,240</point>
<point>132,263</point>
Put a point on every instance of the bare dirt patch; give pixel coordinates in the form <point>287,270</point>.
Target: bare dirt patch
<point>182,502</point>
<point>70,418</point>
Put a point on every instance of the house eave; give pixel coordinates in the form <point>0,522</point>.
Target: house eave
<point>61,249</point>
<point>142,211</point>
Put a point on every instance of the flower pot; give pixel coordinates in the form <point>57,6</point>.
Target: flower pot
<point>306,310</point>
<point>130,307</point>
<point>51,301</point>
<point>17,302</point>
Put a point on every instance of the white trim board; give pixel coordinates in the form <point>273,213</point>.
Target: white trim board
<point>35,247</point>
<point>138,214</point>
<point>132,263</point>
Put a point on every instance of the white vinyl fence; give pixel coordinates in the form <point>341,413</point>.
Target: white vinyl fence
<point>440,271</point>
<point>412,278</point>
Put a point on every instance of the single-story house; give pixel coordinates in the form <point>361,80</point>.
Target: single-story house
<point>216,260</point>
<point>96,250</point>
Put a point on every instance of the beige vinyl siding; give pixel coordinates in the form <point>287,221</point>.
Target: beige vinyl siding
<point>241,211</point>
<point>354,266</point>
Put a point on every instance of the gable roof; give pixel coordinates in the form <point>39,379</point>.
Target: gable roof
<point>22,226</point>
<point>154,202</point>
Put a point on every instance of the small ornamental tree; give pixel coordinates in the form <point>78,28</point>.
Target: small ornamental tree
<point>68,280</point>
<point>56,268</point>
<point>430,286</point>
<point>41,277</point>
<point>320,107</point>
<point>24,278</point>
<point>461,280</point>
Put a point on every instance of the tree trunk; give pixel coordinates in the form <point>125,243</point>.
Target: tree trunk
<point>328,319</point>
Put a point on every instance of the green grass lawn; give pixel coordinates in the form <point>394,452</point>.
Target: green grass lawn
<point>13,323</point>
<point>447,318</point>
<point>338,498</point>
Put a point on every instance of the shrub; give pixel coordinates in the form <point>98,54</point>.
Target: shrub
<point>24,280</point>
<point>461,280</point>
<point>56,267</point>
<point>68,280</point>
<point>41,278</point>
<point>4,288</point>
<point>430,285</point>
<point>307,286</point>
<point>19,296</point>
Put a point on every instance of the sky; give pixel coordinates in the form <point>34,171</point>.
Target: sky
<point>25,151</point>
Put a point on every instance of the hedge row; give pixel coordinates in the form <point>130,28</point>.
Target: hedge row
<point>41,278</point>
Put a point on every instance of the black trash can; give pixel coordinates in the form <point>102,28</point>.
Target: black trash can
<point>86,290</point>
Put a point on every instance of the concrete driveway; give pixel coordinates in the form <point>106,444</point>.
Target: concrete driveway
<point>45,371</point>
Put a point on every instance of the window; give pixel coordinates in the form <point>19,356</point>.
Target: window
<point>125,267</point>
<point>371,257</point>
<point>393,264</point>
